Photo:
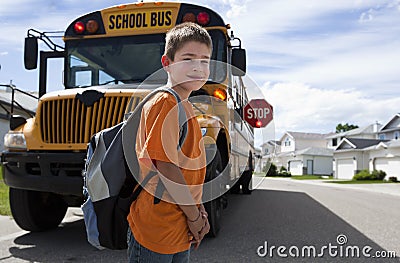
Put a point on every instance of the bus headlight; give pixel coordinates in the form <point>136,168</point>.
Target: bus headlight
<point>203,131</point>
<point>15,140</point>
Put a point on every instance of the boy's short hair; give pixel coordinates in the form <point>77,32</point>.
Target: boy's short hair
<point>183,33</point>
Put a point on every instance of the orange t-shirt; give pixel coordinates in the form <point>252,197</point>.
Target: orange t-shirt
<point>162,227</point>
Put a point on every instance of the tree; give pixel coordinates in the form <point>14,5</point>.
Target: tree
<point>345,127</point>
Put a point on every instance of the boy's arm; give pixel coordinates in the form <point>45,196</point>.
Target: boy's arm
<point>176,186</point>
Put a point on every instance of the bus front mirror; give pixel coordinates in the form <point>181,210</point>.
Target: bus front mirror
<point>31,53</point>
<point>238,62</point>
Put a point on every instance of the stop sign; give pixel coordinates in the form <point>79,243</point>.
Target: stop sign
<point>258,113</point>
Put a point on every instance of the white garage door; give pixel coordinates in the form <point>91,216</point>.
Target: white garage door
<point>345,169</point>
<point>390,165</point>
<point>296,168</point>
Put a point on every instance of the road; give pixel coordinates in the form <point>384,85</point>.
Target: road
<point>279,212</point>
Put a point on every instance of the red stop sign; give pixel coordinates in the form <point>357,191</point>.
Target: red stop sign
<point>258,113</point>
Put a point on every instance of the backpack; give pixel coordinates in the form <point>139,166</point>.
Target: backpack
<point>109,182</point>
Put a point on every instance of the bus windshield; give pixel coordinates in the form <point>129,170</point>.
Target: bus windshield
<point>128,59</point>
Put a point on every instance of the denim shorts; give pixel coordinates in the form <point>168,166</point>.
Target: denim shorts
<point>139,254</point>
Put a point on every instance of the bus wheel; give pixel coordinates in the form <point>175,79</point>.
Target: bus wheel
<point>214,207</point>
<point>36,211</point>
<point>214,210</point>
<point>235,189</point>
<point>246,188</point>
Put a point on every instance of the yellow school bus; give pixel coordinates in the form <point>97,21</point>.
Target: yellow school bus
<point>108,55</point>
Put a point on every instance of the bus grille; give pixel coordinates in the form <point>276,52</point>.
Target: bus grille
<point>70,121</point>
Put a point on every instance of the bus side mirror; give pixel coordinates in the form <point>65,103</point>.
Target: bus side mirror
<point>31,53</point>
<point>239,62</point>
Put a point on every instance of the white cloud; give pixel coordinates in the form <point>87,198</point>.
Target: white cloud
<point>266,17</point>
<point>366,16</point>
<point>365,67</point>
<point>54,16</point>
<point>12,7</point>
<point>298,107</point>
<point>325,44</point>
<point>346,52</point>
<point>3,53</point>
<point>236,8</point>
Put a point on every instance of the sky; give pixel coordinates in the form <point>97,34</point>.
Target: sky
<point>319,63</point>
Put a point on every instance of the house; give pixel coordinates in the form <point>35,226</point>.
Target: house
<point>351,156</point>
<point>268,151</point>
<point>391,130</point>
<point>257,160</point>
<point>367,132</point>
<point>304,153</point>
<point>379,153</point>
<point>270,147</point>
<point>25,106</point>
<point>386,157</point>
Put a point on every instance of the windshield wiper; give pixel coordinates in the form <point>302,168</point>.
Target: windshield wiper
<point>122,80</point>
<point>108,82</point>
<point>79,87</point>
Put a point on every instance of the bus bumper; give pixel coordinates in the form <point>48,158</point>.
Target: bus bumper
<point>59,173</point>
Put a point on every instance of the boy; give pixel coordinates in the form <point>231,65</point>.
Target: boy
<point>164,232</point>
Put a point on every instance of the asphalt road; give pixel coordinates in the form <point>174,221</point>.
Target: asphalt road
<point>297,216</point>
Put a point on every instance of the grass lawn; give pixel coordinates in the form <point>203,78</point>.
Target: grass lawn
<point>263,175</point>
<point>309,177</point>
<point>360,182</point>
<point>4,203</point>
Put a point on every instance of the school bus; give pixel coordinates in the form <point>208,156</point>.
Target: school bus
<point>107,55</point>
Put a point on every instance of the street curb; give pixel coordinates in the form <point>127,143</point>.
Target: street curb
<point>389,188</point>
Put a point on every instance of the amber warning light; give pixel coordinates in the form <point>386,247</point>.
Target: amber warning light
<point>220,94</point>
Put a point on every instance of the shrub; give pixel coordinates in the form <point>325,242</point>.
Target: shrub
<point>393,179</point>
<point>363,175</point>
<point>272,171</point>
<point>366,175</point>
<point>378,174</point>
<point>284,172</point>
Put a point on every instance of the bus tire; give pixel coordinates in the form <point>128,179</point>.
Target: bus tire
<point>214,210</point>
<point>235,189</point>
<point>214,207</point>
<point>246,180</point>
<point>36,211</point>
<point>247,176</point>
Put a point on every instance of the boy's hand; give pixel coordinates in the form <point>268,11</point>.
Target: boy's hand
<point>202,233</point>
<point>206,227</point>
<point>196,225</point>
<point>198,235</point>
<point>203,210</point>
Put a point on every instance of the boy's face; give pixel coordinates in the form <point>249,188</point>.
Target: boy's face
<point>190,68</point>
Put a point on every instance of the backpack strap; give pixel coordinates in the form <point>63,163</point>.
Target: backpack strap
<point>129,133</point>
<point>139,188</point>
<point>182,119</point>
<point>130,128</point>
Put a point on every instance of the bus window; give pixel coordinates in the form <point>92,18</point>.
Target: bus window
<point>218,70</point>
<point>132,59</point>
<point>83,78</point>
<point>104,77</point>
